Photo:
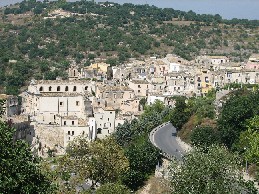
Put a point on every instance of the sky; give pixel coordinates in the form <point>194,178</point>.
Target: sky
<point>228,9</point>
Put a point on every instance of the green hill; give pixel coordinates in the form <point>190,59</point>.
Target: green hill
<point>44,42</point>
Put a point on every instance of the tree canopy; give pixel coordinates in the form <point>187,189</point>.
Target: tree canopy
<point>101,161</point>
<point>204,136</point>
<point>20,171</point>
<point>213,171</point>
<point>238,108</point>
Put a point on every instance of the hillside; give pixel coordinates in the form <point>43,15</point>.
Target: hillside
<point>42,38</point>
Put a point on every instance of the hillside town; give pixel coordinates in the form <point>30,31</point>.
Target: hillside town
<point>95,99</point>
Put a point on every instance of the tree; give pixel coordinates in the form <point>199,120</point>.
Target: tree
<point>143,157</point>
<point>112,61</point>
<point>19,168</point>
<point>91,56</point>
<point>101,161</point>
<point>203,107</point>
<point>113,188</point>
<point>180,114</point>
<point>142,102</point>
<point>214,171</point>
<point>204,136</point>
<point>240,107</point>
<point>158,106</point>
<point>249,141</point>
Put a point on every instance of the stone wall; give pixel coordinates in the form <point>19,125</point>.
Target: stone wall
<point>48,139</point>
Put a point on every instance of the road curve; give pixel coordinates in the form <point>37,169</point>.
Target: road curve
<point>164,137</point>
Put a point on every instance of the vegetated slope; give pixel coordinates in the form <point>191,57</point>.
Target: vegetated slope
<point>109,31</point>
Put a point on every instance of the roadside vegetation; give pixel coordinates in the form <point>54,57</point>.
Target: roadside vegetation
<point>234,134</point>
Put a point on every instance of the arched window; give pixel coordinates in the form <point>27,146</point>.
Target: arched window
<point>41,89</point>
<point>50,88</point>
<point>99,131</point>
<point>58,88</point>
<point>74,89</point>
<point>66,88</point>
<point>86,87</point>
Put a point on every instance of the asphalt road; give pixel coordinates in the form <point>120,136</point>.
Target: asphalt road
<point>165,139</point>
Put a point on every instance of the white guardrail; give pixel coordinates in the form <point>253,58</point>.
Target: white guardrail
<point>152,133</point>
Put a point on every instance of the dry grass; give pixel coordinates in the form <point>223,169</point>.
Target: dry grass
<point>20,19</point>
<point>156,185</point>
<point>186,130</point>
<point>179,23</point>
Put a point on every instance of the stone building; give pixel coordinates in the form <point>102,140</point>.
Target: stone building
<point>11,105</point>
<point>140,87</point>
<point>62,107</point>
<point>105,121</point>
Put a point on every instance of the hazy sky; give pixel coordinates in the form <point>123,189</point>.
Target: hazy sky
<point>248,9</point>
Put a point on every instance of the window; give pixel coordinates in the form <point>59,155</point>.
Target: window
<point>77,103</point>
<point>58,88</point>
<point>66,88</point>
<point>110,112</point>
<point>108,119</point>
<point>74,89</point>
<point>50,88</point>
<point>61,103</point>
<point>68,132</point>
<point>114,95</point>
<point>110,124</point>
<point>139,86</point>
<point>138,91</point>
<point>73,132</point>
<point>99,131</point>
<point>86,87</point>
<point>41,89</point>
<point>65,123</point>
<point>73,123</point>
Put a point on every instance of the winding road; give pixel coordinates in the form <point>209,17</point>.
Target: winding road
<point>164,137</point>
